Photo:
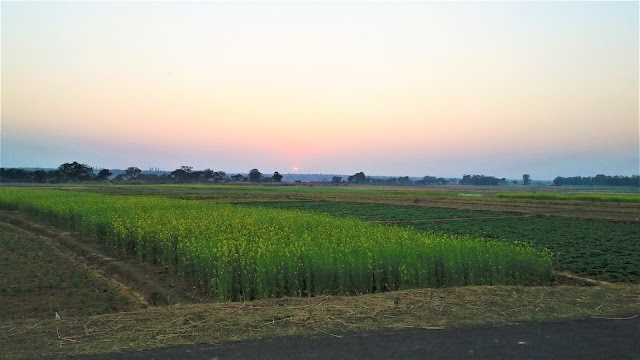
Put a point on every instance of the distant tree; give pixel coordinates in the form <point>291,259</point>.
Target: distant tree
<point>237,177</point>
<point>431,180</point>
<point>16,175</point>
<point>526,179</point>
<point>599,180</point>
<point>219,176</point>
<point>75,172</point>
<point>206,175</point>
<point>515,182</point>
<point>132,172</point>
<point>185,174</point>
<point>103,175</point>
<point>404,180</point>
<point>481,180</point>
<point>150,179</point>
<point>357,178</point>
<point>277,177</point>
<point>55,176</point>
<point>39,176</point>
<point>390,181</point>
<point>255,175</point>
<point>180,175</point>
<point>336,179</point>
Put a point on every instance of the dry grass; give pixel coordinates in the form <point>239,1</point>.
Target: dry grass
<point>320,316</point>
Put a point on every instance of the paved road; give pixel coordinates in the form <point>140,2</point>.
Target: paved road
<point>583,339</point>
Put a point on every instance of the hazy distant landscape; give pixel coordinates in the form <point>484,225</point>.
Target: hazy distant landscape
<point>79,173</point>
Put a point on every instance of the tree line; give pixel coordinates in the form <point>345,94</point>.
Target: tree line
<point>361,178</point>
<point>77,172</point>
<point>598,180</point>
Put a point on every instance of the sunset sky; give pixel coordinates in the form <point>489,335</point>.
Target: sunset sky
<point>388,88</point>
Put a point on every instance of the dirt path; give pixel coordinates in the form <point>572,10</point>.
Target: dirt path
<point>145,284</point>
<point>582,339</point>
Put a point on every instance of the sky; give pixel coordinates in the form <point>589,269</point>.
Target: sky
<point>387,88</point>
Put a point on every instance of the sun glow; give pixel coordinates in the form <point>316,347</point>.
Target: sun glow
<point>295,169</point>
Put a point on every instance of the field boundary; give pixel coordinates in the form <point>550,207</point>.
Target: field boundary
<point>336,316</point>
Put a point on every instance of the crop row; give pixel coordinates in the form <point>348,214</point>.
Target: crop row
<point>240,253</point>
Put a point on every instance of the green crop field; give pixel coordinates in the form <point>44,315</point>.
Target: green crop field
<point>606,250</point>
<point>249,253</point>
<point>630,198</point>
<point>374,212</point>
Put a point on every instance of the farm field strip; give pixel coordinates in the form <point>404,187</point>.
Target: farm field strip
<point>452,192</point>
<point>602,249</point>
<point>623,198</point>
<point>248,253</point>
<point>627,211</point>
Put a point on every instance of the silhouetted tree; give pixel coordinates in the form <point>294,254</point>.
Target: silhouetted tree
<point>103,175</point>
<point>132,172</point>
<point>526,179</point>
<point>390,181</point>
<point>39,176</point>
<point>432,180</point>
<point>481,180</point>
<point>206,175</point>
<point>404,180</point>
<point>75,172</point>
<point>277,177</point>
<point>357,178</point>
<point>15,175</point>
<point>336,179</point>
<point>255,175</point>
<point>599,180</point>
<point>185,174</point>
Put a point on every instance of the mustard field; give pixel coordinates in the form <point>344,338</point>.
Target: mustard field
<point>245,253</point>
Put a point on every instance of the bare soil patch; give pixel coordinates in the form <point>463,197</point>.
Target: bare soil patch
<point>143,283</point>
